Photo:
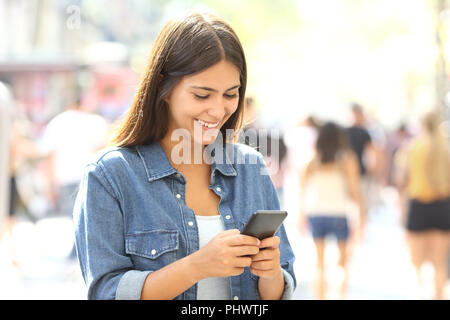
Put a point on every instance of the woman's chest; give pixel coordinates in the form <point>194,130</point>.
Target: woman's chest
<point>200,198</point>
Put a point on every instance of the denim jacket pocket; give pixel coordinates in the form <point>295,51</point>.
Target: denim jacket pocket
<point>151,244</point>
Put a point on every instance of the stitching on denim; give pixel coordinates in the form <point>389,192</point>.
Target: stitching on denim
<point>106,178</point>
<point>143,162</point>
<point>169,246</point>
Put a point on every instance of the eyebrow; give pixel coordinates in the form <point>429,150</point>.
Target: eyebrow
<point>214,90</point>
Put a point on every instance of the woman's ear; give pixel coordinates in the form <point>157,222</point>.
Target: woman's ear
<point>160,79</point>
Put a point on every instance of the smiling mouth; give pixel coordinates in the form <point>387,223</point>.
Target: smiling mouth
<point>209,125</point>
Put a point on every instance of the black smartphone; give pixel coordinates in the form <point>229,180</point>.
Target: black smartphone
<point>264,223</point>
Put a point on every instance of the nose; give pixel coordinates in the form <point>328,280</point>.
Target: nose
<point>217,110</point>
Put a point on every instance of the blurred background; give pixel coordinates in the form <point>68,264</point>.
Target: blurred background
<point>69,70</point>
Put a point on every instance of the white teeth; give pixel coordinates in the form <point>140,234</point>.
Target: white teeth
<point>212,125</point>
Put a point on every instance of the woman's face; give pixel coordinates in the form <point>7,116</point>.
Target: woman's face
<point>203,102</point>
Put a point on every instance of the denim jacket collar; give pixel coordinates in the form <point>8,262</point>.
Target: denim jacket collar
<point>157,165</point>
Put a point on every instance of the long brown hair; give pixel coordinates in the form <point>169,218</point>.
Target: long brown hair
<point>331,142</point>
<point>183,47</point>
<point>438,161</point>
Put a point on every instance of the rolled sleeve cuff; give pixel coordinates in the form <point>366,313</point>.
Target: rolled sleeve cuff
<point>288,286</point>
<point>131,284</point>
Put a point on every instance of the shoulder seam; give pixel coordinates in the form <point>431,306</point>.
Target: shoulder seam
<point>105,152</point>
<point>107,180</point>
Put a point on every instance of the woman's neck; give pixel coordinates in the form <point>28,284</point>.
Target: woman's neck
<point>184,155</point>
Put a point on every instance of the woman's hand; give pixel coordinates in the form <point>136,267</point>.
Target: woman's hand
<point>227,254</point>
<point>266,263</point>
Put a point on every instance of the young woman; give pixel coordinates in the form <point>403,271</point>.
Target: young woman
<point>426,179</point>
<point>328,185</point>
<point>159,218</point>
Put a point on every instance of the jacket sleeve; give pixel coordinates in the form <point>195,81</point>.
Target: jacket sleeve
<point>99,238</point>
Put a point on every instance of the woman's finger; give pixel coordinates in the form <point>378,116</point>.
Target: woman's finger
<point>266,254</point>
<point>245,250</point>
<point>243,240</point>
<point>273,242</point>
<point>242,262</point>
<point>264,265</point>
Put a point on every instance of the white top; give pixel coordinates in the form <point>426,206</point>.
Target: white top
<point>75,137</point>
<point>211,288</point>
<point>326,194</point>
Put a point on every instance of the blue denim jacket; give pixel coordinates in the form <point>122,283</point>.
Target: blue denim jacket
<point>131,217</point>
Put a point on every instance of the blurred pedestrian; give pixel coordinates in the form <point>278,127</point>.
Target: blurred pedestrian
<point>362,144</point>
<point>251,126</point>
<point>5,132</point>
<point>69,142</point>
<point>300,145</point>
<point>329,185</point>
<point>15,149</point>
<point>22,149</point>
<point>377,164</point>
<point>398,139</point>
<point>268,141</point>
<point>426,179</point>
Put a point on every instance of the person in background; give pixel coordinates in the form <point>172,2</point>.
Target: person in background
<point>5,136</point>
<point>268,141</point>
<point>377,165</point>
<point>22,149</point>
<point>329,184</point>
<point>69,142</point>
<point>249,133</point>
<point>425,176</point>
<point>399,139</point>
<point>362,145</point>
<point>18,148</point>
<point>300,142</point>
<point>300,145</point>
<point>275,159</point>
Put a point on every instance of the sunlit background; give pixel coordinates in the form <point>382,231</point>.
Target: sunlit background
<point>305,58</point>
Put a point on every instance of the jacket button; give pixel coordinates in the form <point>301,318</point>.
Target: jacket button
<point>153,252</point>
<point>236,298</point>
<point>190,223</point>
<point>228,217</point>
<point>218,189</point>
<point>178,196</point>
